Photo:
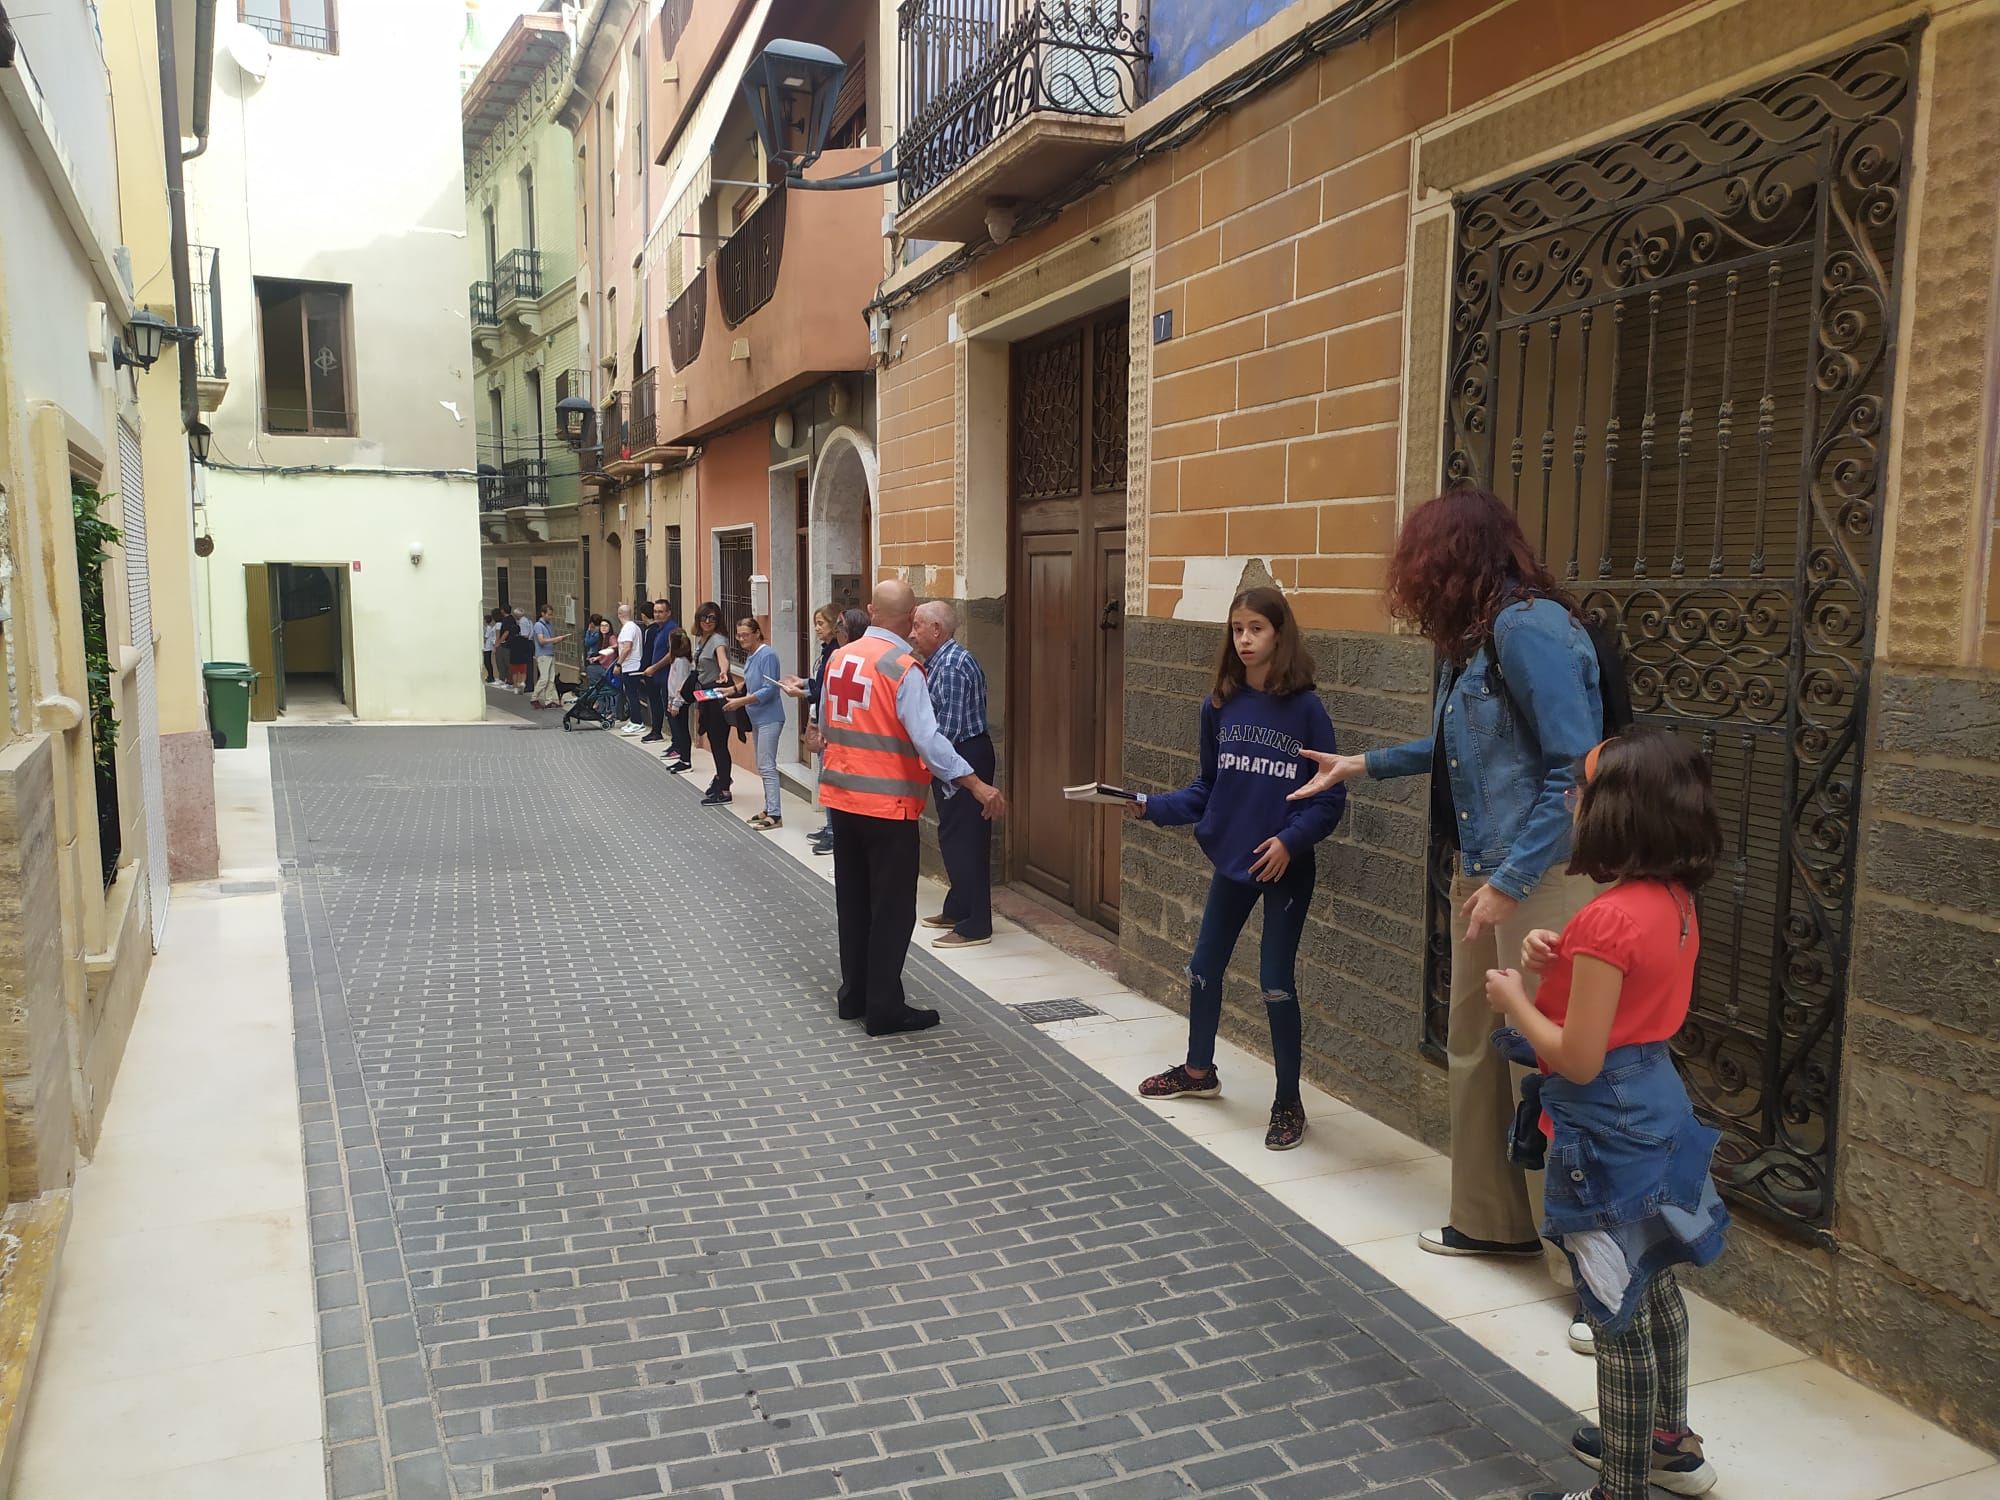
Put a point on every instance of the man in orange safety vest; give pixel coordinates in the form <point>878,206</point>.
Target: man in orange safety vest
<point>882,747</point>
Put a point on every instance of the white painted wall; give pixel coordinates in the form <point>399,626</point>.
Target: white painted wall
<point>411,660</point>
<point>347,168</point>
<point>51,287</point>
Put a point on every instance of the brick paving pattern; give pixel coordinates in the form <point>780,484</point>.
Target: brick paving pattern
<point>606,1203</point>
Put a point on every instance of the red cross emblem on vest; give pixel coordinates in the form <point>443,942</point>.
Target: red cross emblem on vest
<point>846,686</point>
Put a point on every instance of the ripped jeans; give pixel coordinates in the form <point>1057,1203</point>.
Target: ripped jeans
<point>1229,902</point>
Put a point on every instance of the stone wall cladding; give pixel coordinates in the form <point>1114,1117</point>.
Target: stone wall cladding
<point>1916,1288</point>
<point>34,1062</point>
<point>1361,964</point>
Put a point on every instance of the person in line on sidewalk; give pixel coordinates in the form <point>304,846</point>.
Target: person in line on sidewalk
<point>631,659</point>
<point>965,839</point>
<point>765,705</point>
<point>518,631</point>
<point>523,662</point>
<point>653,674</point>
<point>1501,755</point>
<point>489,638</point>
<point>826,628</point>
<point>1257,721</point>
<point>593,642</point>
<point>849,625</point>
<point>882,749</point>
<point>712,674</point>
<point>1630,1195</point>
<point>680,744</point>
<point>545,659</point>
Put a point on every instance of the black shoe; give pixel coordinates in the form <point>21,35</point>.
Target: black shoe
<point>1288,1127</point>
<point>716,799</point>
<point>675,767</point>
<point>1678,1466</point>
<point>1448,1241</point>
<point>912,1019</point>
<point>651,739</point>
<point>826,848</point>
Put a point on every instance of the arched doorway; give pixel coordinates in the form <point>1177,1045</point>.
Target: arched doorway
<point>842,504</point>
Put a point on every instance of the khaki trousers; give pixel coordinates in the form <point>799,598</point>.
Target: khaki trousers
<point>1491,1198</point>
<point>545,680</point>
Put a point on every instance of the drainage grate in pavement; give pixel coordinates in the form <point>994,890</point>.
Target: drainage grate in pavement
<point>1048,1012</point>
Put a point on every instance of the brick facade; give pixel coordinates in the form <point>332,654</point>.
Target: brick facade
<point>1300,244</point>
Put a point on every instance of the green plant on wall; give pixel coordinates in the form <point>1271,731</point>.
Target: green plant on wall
<point>95,536</point>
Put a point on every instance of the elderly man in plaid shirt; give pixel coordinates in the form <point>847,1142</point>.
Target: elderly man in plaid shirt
<point>965,838</point>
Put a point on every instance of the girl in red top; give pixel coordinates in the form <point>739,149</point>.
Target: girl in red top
<point>1621,975</point>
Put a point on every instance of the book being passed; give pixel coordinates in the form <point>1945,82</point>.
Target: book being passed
<point>1098,791</point>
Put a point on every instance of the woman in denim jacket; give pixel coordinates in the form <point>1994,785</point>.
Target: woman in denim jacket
<point>1502,752</point>
<point>1629,1192</point>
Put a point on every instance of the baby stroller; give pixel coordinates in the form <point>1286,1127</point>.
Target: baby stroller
<point>596,703</point>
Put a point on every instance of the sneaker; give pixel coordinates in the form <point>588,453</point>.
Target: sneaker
<point>826,848</point>
<point>1288,1127</point>
<point>1679,1465</point>
<point>651,739</point>
<point>1448,1241</point>
<point>1593,1493</point>
<point>631,729</point>
<point>942,921</point>
<point>1582,1337</point>
<point>675,767</point>
<point>716,799</point>
<point>1178,1083</point>
<point>959,940</point>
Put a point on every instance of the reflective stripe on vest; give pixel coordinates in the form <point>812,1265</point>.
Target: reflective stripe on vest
<point>880,785</point>
<point>859,740</point>
<point>871,766</point>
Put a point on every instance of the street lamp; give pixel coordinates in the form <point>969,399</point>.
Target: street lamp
<point>573,414</point>
<point>144,335</point>
<point>792,76</point>
<point>788,76</point>
<point>198,439</point>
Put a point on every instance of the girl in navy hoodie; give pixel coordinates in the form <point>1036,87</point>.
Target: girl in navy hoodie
<point>1262,712</point>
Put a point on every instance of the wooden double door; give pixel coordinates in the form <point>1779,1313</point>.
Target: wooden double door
<point>1066,606</point>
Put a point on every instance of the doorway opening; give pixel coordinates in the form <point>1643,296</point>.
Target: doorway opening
<point>1067,426</point>
<point>301,640</point>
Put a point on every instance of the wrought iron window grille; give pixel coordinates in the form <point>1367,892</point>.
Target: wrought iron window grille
<point>1674,354</point>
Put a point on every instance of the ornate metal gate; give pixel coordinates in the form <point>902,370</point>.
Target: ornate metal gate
<point>1673,353</point>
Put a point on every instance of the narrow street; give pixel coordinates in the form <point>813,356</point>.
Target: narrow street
<point>605,1201</point>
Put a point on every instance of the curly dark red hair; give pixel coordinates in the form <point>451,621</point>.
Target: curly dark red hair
<point>1461,559</point>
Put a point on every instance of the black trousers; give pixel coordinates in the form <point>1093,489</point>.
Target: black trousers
<point>965,839</point>
<point>680,732</point>
<point>875,894</point>
<point>715,730</point>
<point>656,704</point>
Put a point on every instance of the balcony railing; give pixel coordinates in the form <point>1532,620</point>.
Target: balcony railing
<point>746,267</point>
<point>519,274</point>
<point>972,69</point>
<point>205,266</point>
<point>292,33</point>
<point>643,431</point>
<point>518,481</point>
<point>615,431</point>
<point>687,319</point>
<point>485,309</point>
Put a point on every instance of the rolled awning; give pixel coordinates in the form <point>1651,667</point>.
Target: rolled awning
<point>692,157</point>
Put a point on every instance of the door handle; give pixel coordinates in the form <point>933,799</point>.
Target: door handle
<point>1113,616</point>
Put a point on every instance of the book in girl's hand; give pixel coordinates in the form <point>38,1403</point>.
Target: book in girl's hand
<point>1098,791</point>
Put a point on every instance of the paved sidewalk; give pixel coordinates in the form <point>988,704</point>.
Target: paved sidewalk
<point>606,1203</point>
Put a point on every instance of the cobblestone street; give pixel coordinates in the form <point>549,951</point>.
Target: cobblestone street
<point>605,1201</point>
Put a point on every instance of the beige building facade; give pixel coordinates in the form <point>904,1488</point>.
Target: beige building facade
<point>101,719</point>
<point>1708,292</point>
<point>520,179</point>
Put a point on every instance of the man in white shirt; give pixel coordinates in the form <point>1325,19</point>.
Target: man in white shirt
<point>631,642</point>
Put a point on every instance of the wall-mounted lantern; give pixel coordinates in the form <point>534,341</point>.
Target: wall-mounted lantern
<point>573,414</point>
<point>792,78</point>
<point>199,436</point>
